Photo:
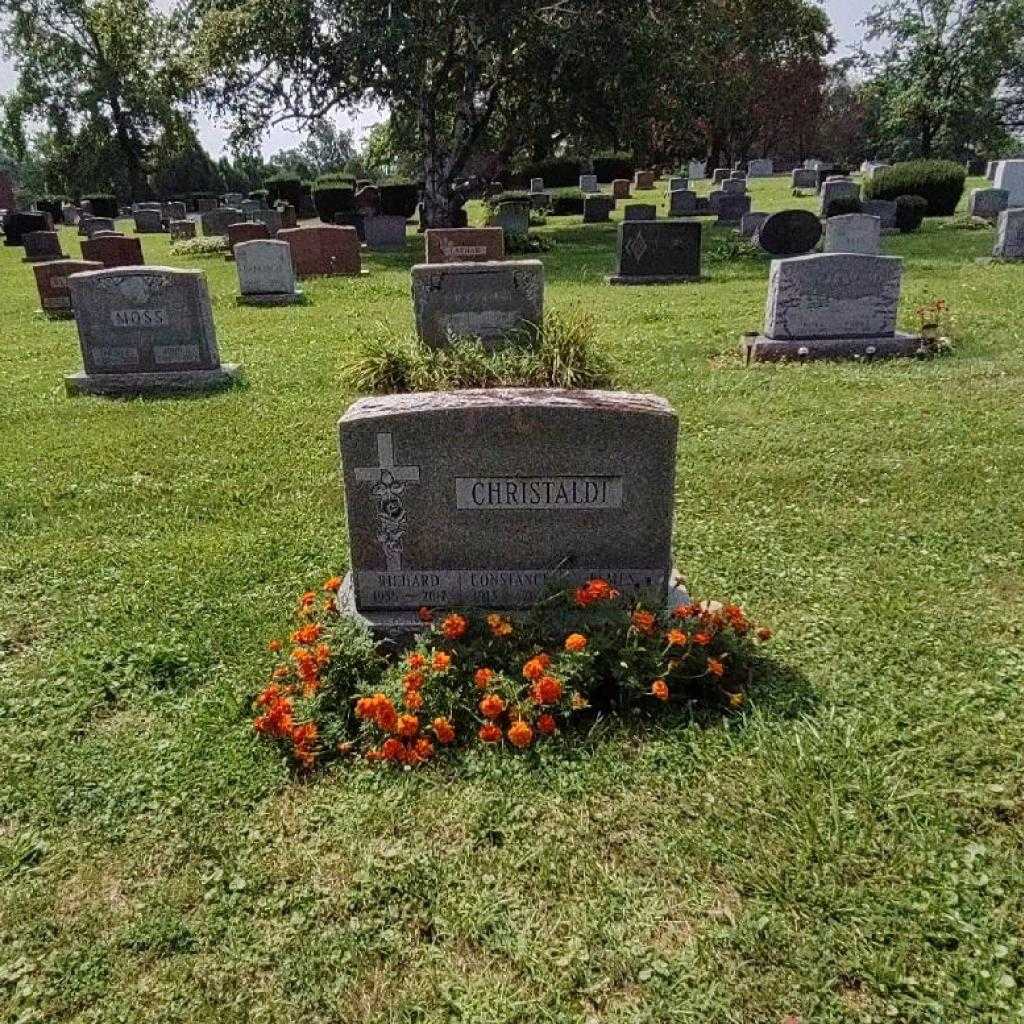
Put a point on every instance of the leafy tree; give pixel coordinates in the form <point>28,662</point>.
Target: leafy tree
<point>184,166</point>
<point>937,80</point>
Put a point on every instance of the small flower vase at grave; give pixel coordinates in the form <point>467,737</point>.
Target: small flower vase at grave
<point>747,340</point>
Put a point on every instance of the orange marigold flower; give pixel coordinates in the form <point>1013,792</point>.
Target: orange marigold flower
<point>676,638</point>
<point>308,599</point>
<point>546,724</point>
<point>442,661</point>
<point>443,730</point>
<point>413,700</point>
<point>333,585</point>
<point>454,627</point>
<point>392,750</point>
<point>575,642</point>
<point>408,726</point>
<point>643,622</point>
<point>702,639</point>
<point>365,707</point>
<point>715,667</point>
<point>489,733</point>
<point>593,591</point>
<point>274,645</point>
<point>385,715</point>
<point>425,615</point>
<point>423,749</point>
<point>491,706</point>
<point>499,625</point>
<point>520,734</point>
<point>305,735</point>
<point>547,690</point>
<point>764,633</point>
<point>482,677</point>
<point>322,654</point>
<point>269,694</point>
<point>534,668</point>
<point>413,680</point>
<point>280,672</point>
<point>659,689</point>
<point>416,660</point>
<point>307,634</point>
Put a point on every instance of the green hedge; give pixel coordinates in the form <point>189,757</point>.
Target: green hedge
<point>609,166</point>
<point>556,173</point>
<point>398,198</point>
<point>284,189</point>
<point>566,202</point>
<point>52,206</point>
<point>910,212</point>
<point>103,204</point>
<point>939,182</point>
<point>334,194</point>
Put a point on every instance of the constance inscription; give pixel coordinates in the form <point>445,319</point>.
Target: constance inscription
<point>139,317</point>
<point>560,493</point>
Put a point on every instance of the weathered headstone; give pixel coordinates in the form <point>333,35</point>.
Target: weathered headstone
<point>489,301</point>
<point>271,218</point>
<point>875,169</point>
<point>52,285</point>
<point>696,170</point>
<point>836,305</point>
<point>204,204</point>
<point>182,230</point>
<point>536,185</point>
<point>735,186</point>
<point>803,178</point>
<point>147,221</point>
<point>988,203</point>
<point>790,233</point>
<point>620,188</point>
<point>588,183</point>
<point>387,231</point>
<point>215,222</point>
<point>174,211</point>
<point>234,199</point>
<point>853,232</point>
<point>643,181</point>
<point>266,276</point>
<point>513,218</point>
<point>1010,235</point>
<point>250,207</point>
<point>41,246</point>
<point>94,225</point>
<point>367,200</point>
<point>720,175</point>
<point>883,209</point>
<point>289,216</point>
<point>244,231</point>
<point>17,225</point>
<point>657,252</point>
<point>760,168</point>
<point>838,190</point>
<point>544,488</point>
<point>464,245</point>
<point>113,251</point>
<point>640,211</point>
<point>682,203</point>
<point>1010,176</point>
<point>324,251</point>
<point>678,184</point>
<point>731,208</point>
<point>597,208</point>
<point>145,330</point>
<point>751,224</point>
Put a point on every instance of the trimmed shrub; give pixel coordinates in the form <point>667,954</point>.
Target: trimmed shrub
<point>556,173</point>
<point>910,212</point>
<point>51,205</point>
<point>398,198</point>
<point>609,166</point>
<point>939,182</point>
<point>842,205</point>
<point>103,204</point>
<point>566,202</point>
<point>283,189</point>
<point>333,195</point>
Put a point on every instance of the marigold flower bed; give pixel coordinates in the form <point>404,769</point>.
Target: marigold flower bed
<point>477,678</point>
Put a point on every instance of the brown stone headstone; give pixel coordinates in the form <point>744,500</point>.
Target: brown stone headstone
<point>52,284</point>
<point>324,251</point>
<point>620,188</point>
<point>113,251</point>
<point>245,231</point>
<point>644,180</point>
<point>465,245</point>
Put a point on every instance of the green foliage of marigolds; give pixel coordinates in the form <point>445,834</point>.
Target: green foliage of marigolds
<point>200,246</point>
<point>566,202</point>
<point>939,182</point>
<point>562,354</point>
<point>910,213</point>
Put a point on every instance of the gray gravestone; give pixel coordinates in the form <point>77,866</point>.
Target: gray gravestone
<point>803,178</point>
<point>536,185</point>
<point>596,208</point>
<point>1010,235</point>
<point>696,170</point>
<point>735,186</point>
<point>588,183</point>
<point>148,222</point>
<point>682,203</point>
<point>385,231</point>
<point>41,246</point>
<point>215,222</point>
<point>731,208</point>
<point>838,189</point>
<point>273,219</point>
<point>853,232</point>
<point>836,305</point>
<point>988,203</point>
<point>883,209</point>
<point>145,330</point>
<point>790,233</point>
<point>266,276</point>
<point>489,301</point>
<point>752,223</point>
<point>234,199</point>
<point>249,208</point>
<point>657,252</point>
<point>760,168</point>
<point>182,230</point>
<point>640,211</point>
<point>678,184</point>
<point>513,218</point>
<point>990,170</point>
<point>490,499</point>
<point>96,224</point>
<point>175,211</point>
<point>1010,176</point>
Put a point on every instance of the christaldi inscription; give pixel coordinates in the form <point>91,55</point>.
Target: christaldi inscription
<point>559,493</point>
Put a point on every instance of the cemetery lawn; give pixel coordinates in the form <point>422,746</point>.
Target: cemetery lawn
<point>849,849</point>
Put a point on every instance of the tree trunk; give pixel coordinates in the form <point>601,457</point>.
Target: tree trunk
<point>439,207</point>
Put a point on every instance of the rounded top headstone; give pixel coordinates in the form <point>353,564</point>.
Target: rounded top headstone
<point>790,233</point>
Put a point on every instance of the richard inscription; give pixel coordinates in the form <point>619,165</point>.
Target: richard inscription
<point>538,493</point>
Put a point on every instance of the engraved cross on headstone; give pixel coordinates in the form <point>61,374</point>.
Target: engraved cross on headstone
<point>388,482</point>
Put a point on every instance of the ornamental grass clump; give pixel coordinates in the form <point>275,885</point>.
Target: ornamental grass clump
<point>491,680</point>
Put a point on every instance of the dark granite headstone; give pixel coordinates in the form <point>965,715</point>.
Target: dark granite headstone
<point>790,233</point>
<point>657,252</point>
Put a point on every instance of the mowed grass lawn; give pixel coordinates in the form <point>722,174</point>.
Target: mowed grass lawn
<point>849,849</point>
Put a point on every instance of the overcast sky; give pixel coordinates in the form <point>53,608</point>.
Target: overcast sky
<point>845,15</point>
